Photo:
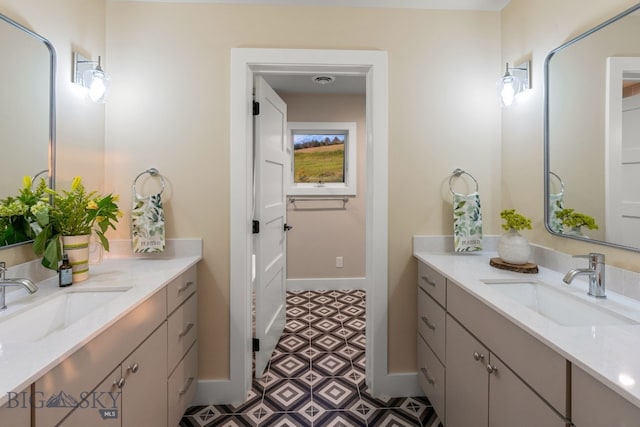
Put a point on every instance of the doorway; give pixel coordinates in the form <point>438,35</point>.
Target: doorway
<point>373,65</point>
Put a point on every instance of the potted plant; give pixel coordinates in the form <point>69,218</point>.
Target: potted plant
<point>513,248</point>
<point>73,216</point>
<point>22,217</point>
<point>575,221</point>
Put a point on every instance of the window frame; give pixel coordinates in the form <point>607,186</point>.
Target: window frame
<point>346,188</point>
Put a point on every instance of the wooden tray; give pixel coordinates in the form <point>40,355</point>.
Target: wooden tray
<point>519,268</point>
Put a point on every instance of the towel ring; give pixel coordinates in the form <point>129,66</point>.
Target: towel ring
<point>561,184</point>
<point>151,171</point>
<point>456,174</point>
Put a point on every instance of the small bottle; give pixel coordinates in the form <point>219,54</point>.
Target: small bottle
<point>65,273</point>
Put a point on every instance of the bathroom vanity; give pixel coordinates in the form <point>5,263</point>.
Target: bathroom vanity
<point>488,356</point>
<point>130,361</point>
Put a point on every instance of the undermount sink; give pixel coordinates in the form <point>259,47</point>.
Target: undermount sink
<point>54,314</point>
<point>561,307</point>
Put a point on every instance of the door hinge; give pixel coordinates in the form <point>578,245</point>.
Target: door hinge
<point>256,227</point>
<point>256,344</point>
<point>256,108</point>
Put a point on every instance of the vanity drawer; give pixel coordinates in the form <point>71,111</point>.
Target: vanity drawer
<point>433,283</point>
<point>183,331</point>
<point>181,288</point>
<point>182,386</point>
<point>431,323</point>
<point>431,377</point>
<point>523,353</point>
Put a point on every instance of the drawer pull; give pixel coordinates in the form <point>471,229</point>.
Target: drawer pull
<point>133,368</point>
<point>428,322</point>
<point>426,375</point>
<point>119,383</point>
<point>186,387</point>
<point>478,356</point>
<point>492,369</point>
<point>186,330</point>
<point>429,281</point>
<point>186,285</point>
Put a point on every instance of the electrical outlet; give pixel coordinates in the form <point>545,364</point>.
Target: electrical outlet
<point>339,262</point>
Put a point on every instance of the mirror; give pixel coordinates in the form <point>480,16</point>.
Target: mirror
<point>592,134</point>
<point>27,107</point>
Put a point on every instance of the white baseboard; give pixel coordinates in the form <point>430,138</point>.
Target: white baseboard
<point>329,284</point>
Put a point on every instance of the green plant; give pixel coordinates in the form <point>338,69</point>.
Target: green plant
<point>72,213</point>
<point>22,217</point>
<point>572,219</point>
<point>514,220</point>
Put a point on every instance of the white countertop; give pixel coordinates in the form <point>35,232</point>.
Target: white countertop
<point>23,363</point>
<point>610,354</point>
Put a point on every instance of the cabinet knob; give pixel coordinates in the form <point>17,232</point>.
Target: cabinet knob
<point>134,368</point>
<point>119,383</point>
<point>492,369</point>
<point>478,356</point>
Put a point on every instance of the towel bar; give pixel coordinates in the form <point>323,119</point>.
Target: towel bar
<point>151,171</point>
<point>455,174</point>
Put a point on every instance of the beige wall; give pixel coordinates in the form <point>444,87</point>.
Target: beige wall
<point>170,109</point>
<point>324,230</point>
<point>80,123</point>
<point>534,28</point>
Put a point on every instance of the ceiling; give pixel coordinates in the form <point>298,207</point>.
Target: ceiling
<point>397,4</point>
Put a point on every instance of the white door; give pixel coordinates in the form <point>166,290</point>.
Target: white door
<point>271,159</point>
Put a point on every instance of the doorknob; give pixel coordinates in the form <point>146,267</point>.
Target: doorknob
<point>287,227</point>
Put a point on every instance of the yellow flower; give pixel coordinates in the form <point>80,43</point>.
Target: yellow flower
<point>115,198</point>
<point>92,205</point>
<point>75,183</point>
<point>100,218</point>
<point>26,181</point>
<point>119,214</point>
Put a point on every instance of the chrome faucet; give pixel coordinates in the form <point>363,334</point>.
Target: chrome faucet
<point>595,273</point>
<point>4,282</point>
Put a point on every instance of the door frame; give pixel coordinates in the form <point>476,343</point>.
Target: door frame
<point>372,64</point>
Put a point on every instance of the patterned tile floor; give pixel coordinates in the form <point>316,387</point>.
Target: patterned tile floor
<point>316,376</point>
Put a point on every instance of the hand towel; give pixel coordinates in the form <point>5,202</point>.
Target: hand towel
<point>556,204</point>
<point>467,222</point>
<point>147,224</point>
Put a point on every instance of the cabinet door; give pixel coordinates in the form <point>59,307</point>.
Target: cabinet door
<point>513,403</point>
<point>145,389</point>
<point>467,380</point>
<point>101,407</point>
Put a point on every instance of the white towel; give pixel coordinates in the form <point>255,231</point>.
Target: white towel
<point>467,222</point>
<point>147,224</point>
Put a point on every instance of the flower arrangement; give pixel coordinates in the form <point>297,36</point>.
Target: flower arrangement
<point>514,220</point>
<point>72,213</point>
<point>572,219</point>
<point>22,217</point>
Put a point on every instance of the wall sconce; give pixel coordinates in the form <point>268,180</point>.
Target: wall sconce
<point>93,78</point>
<point>515,80</point>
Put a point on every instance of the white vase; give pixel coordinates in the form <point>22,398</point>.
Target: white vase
<point>513,248</point>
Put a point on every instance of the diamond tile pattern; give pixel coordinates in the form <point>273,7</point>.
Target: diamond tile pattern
<point>316,376</point>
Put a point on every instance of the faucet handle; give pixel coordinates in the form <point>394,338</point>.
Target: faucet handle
<point>593,257</point>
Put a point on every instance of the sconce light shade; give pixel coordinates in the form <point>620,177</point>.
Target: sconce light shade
<point>94,79</point>
<point>514,81</point>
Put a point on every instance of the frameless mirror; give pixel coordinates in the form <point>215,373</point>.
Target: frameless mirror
<point>27,106</point>
<point>592,134</point>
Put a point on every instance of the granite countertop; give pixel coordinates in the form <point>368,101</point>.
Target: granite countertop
<point>22,363</point>
<point>608,353</point>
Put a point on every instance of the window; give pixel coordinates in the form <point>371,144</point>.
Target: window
<point>323,158</point>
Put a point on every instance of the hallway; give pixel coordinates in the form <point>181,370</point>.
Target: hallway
<point>316,376</point>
